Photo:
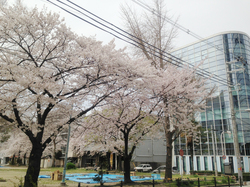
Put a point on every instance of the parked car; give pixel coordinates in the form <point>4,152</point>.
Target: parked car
<point>163,168</point>
<point>160,169</point>
<point>143,167</point>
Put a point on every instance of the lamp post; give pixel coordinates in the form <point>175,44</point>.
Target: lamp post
<point>214,149</point>
<point>222,147</point>
<point>223,150</point>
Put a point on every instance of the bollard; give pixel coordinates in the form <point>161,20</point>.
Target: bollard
<point>79,184</point>
<point>215,181</point>
<point>198,182</point>
<point>121,183</point>
<point>229,181</point>
<point>153,183</point>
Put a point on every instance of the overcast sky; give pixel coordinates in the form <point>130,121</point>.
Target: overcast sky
<point>202,17</point>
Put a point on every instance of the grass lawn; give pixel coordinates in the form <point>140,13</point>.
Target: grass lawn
<point>14,176</point>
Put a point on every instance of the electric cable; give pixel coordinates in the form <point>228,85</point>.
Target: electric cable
<point>145,6</point>
<point>157,49</point>
<point>201,74</point>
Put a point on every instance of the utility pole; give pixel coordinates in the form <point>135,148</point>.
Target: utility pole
<point>63,183</point>
<point>234,125</point>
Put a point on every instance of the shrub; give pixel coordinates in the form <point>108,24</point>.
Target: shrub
<point>70,166</point>
<point>224,180</point>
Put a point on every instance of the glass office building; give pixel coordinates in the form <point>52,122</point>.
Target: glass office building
<point>226,56</point>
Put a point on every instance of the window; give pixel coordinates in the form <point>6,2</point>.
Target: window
<point>191,163</point>
<point>205,163</point>
<point>198,164</point>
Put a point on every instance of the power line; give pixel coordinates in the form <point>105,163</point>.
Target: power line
<point>180,61</point>
<point>102,28</point>
<point>171,56</point>
<point>145,6</point>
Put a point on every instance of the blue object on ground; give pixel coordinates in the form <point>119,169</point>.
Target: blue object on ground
<point>107,178</point>
<point>156,176</point>
<point>3,167</point>
<point>43,176</point>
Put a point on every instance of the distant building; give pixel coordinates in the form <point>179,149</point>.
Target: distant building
<point>150,151</point>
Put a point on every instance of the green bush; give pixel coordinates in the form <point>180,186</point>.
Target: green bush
<point>224,180</point>
<point>203,172</point>
<point>70,165</point>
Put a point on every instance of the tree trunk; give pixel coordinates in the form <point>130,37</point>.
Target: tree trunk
<point>33,170</point>
<point>12,161</point>
<point>127,169</point>
<point>54,153</point>
<point>119,166</point>
<point>127,159</point>
<point>191,147</point>
<point>24,159</point>
<point>192,157</point>
<point>169,147</point>
<point>108,161</point>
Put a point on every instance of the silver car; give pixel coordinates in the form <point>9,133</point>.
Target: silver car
<point>163,169</point>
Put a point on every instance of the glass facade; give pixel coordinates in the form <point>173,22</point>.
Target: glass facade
<point>222,55</point>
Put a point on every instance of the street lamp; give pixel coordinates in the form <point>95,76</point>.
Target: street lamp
<point>223,150</point>
<point>214,149</point>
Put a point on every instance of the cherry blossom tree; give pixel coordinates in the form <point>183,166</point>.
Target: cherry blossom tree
<point>182,94</point>
<point>48,70</point>
<point>129,116</point>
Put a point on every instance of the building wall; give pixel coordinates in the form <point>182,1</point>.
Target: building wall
<point>152,151</point>
<point>215,52</point>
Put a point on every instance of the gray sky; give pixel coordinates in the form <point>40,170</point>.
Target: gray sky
<point>202,17</point>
